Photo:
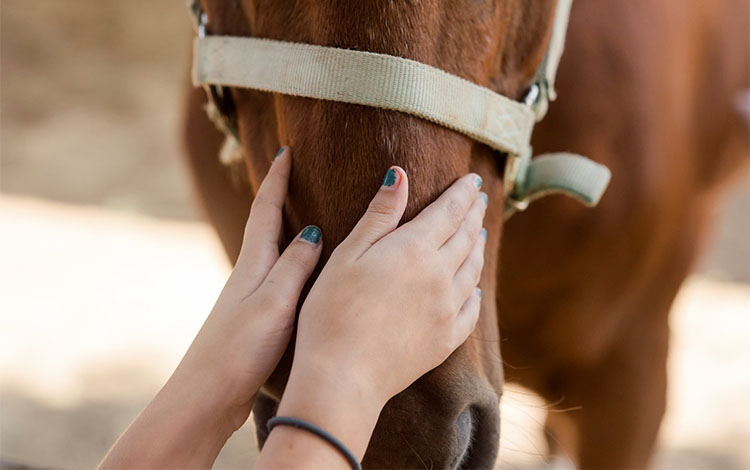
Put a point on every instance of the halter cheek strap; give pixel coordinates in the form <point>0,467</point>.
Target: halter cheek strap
<point>408,86</point>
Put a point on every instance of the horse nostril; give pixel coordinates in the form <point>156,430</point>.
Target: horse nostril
<point>463,423</point>
<point>463,436</point>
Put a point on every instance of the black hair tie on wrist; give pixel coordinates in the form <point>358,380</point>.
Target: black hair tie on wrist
<point>323,434</point>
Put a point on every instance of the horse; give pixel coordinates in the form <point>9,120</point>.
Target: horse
<point>576,300</point>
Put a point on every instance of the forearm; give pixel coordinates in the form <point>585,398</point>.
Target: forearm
<point>176,430</point>
<point>346,410</point>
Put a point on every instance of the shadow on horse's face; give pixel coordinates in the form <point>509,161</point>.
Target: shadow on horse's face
<point>449,417</point>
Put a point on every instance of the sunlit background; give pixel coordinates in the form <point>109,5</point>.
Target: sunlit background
<point>107,272</point>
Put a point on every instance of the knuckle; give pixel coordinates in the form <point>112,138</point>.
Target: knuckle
<point>466,242</point>
<point>377,224</point>
<point>459,298</point>
<point>380,208</point>
<point>416,251</point>
<point>412,247</point>
<point>475,318</point>
<point>470,183</point>
<point>454,212</point>
<point>468,189</point>
<point>340,254</point>
<point>476,266</point>
<point>297,258</point>
<point>477,276</point>
<point>474,222</point>
<point>447,346</point>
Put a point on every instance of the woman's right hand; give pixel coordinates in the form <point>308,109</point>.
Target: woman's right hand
<point>390,305</point>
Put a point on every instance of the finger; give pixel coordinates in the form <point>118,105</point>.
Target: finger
<point>470,271</point>
<point>260,248</point>
<point>467,317</point>
<point>284,283</point>
<point>457,248</point>
<point>440,220</point>
<point>383,214</point>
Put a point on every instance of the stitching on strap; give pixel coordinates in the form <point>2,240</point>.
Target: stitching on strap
<point>365,78</point>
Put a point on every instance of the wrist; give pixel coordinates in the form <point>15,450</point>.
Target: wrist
<point>341,404</point>
<point>205,397</point>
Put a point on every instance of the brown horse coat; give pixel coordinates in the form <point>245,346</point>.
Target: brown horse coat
<point>578,298</point>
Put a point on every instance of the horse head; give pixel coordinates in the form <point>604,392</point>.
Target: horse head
<point>450,416</point>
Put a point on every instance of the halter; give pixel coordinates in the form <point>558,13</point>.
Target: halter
<point>399,84</point>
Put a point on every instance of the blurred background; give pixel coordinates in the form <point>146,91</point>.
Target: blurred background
<point>107,271</point>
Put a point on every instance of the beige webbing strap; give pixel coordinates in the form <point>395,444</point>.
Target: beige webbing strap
<point>365,78</point>
<point>547,70</point>
<point>558,173</point>
<point>400,84</point>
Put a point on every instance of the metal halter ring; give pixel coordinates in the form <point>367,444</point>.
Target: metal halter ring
<point>533,95</point>
<point>202,20</point>
<point>225,113</point>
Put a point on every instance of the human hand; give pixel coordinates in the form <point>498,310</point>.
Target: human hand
<point>390,305</point>
<point>211,392</point>
<point>249,328</point>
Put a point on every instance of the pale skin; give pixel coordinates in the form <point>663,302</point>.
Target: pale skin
<point>390,304</point>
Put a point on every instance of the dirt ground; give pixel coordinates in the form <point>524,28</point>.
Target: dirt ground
<point>106,271</point>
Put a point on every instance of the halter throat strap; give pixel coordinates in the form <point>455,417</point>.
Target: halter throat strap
<point>399,84</point>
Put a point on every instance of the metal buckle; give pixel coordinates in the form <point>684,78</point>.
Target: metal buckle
<point>517,204</point>
<point>200,19</point>
<point>538,97</point>
<point>514,179</point>
<point>217,95</point>
<point>533,95</point>
<point>225,107</point>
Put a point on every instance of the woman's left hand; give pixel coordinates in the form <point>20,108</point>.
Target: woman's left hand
<point>213,389</point>
<point>249,328</point>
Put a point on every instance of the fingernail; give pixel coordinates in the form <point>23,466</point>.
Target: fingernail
<point>483,233</point>
<point>390,177</point>
<point>311,234</point>
<point>484,198</point>
<point>479,181</point>
<point>479,292</point>
<point>279,152</point>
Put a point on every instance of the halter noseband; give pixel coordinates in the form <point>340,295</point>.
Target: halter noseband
<point>405,85</point>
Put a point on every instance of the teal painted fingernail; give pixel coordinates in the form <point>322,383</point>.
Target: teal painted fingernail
<point>479,181</point>
<point>311,234</point>
<point>483,233</point>
<point>479,292</point>
<point>390,177</point>
<point>484,198</point>
<point>279,152</point>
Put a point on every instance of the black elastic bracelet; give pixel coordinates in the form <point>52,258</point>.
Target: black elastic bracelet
<point>325,435</point>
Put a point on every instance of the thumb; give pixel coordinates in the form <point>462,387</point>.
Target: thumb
<point>384,212</point>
